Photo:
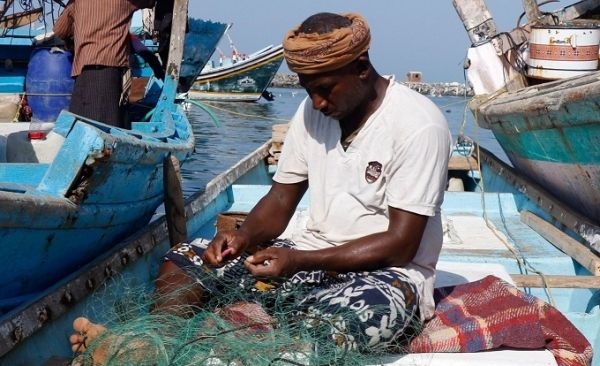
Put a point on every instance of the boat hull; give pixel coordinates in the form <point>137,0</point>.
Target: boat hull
<point>200,43</point>
<point>70,195</point>
<point>103,184</point>
<point>551,133</point>
<point>134,263</point>
<point>243,81</point>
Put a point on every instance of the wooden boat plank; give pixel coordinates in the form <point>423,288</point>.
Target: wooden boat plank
<point>20,19</point>
<point>22,173</point>
<point>174,206</point>
<point>549,97</point>
<point>458,162</point>
<point>586,257</point>
<point>560,215</point>
<point>554,281</point>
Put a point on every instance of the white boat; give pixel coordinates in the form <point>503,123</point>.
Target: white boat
<point>242,78</point>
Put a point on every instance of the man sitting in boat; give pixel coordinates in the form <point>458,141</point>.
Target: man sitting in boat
<point>375,155</point>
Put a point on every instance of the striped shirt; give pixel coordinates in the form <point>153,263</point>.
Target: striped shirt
<point>100,31</point>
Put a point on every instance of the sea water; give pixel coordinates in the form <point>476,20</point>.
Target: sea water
<point>232,130</point>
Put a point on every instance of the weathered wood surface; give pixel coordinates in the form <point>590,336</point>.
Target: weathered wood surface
<point>174,203</point>
<point>458,162</point>
<point>532,10</point>
<point>550,281</point>
<point>278,133</point>
<point>578,251</point>
<point>573,11</point>
<point>563,215</point>
<point>20,19</point>
<point>173,67</point>
<point>476,19</point>
<point>539,100</point>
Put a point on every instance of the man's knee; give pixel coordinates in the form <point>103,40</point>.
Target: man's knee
<point>176,290</point>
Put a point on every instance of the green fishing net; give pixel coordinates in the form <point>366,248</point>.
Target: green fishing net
<point>229,330</point>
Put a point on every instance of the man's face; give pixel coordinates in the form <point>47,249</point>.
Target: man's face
<point>335,94</point>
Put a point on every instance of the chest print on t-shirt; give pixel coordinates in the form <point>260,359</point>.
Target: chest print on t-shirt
<point>373,171</point>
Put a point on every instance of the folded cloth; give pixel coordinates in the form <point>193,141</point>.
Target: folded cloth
<point>491,313</point>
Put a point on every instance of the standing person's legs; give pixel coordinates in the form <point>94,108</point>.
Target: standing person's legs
<point>97,93</point>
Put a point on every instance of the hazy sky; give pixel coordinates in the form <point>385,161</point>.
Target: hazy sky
<point>423,35</point>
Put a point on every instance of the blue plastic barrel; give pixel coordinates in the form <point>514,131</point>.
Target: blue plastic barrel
<point>48,82</point>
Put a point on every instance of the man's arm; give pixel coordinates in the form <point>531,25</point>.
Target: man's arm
<point>395,247</point>
<point>266,221</point>
<point>63,28</point>
<point>269,218</point>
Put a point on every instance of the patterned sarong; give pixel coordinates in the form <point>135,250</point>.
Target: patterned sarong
<point>375,310</point>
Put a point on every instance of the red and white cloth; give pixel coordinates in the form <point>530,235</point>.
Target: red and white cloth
<point>491,314</point>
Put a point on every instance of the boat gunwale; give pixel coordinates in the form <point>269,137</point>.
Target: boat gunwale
<point>24,320</point>
<point>522,100</point>
<point>562,216</point>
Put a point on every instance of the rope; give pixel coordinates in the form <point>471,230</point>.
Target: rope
<point>47,94</point>
<point>19,106</point>
<point>522,262</point>
<point>205,108</point>
<point>243,114</point>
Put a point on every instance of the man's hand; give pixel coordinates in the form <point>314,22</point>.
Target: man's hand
<point>225,246</point>
<point>272,263</point>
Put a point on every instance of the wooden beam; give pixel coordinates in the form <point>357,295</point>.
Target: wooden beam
<point>575,10</point>
<point>174,203</point>
<point>20,19</point>
<point>476,18</point>
<point>532,11</point>
<point>458,162</point>
<point>553,281</point>
<point>578,251</point>
<point>279,131</point>
<point>177,37</point>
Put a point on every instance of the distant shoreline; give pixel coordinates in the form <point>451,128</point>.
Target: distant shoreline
<point>434,89</point>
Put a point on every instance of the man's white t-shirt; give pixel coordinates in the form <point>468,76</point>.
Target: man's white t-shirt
<point>399,158</point>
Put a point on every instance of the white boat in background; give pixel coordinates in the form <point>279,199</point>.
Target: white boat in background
<point>240,78</point>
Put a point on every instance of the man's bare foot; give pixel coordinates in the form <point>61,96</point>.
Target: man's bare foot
<point>84,332</point>
<point>121,349</point>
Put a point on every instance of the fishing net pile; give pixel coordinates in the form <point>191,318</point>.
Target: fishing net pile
<point>228,330</point>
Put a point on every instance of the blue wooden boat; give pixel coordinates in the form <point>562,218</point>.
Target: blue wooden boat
<point>242,79</point>
<point>71,188</point>
<point>539,95</point>
<point>498,222</point>
<point>201,40</point>
<point>200,43</point>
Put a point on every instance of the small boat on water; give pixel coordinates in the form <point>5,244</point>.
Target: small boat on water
<point>537,89</point>
<point>72,188</point>
<point>497,222</point>
<point>242,78</point>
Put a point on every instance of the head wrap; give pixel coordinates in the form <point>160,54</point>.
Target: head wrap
<point>313,53</point>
